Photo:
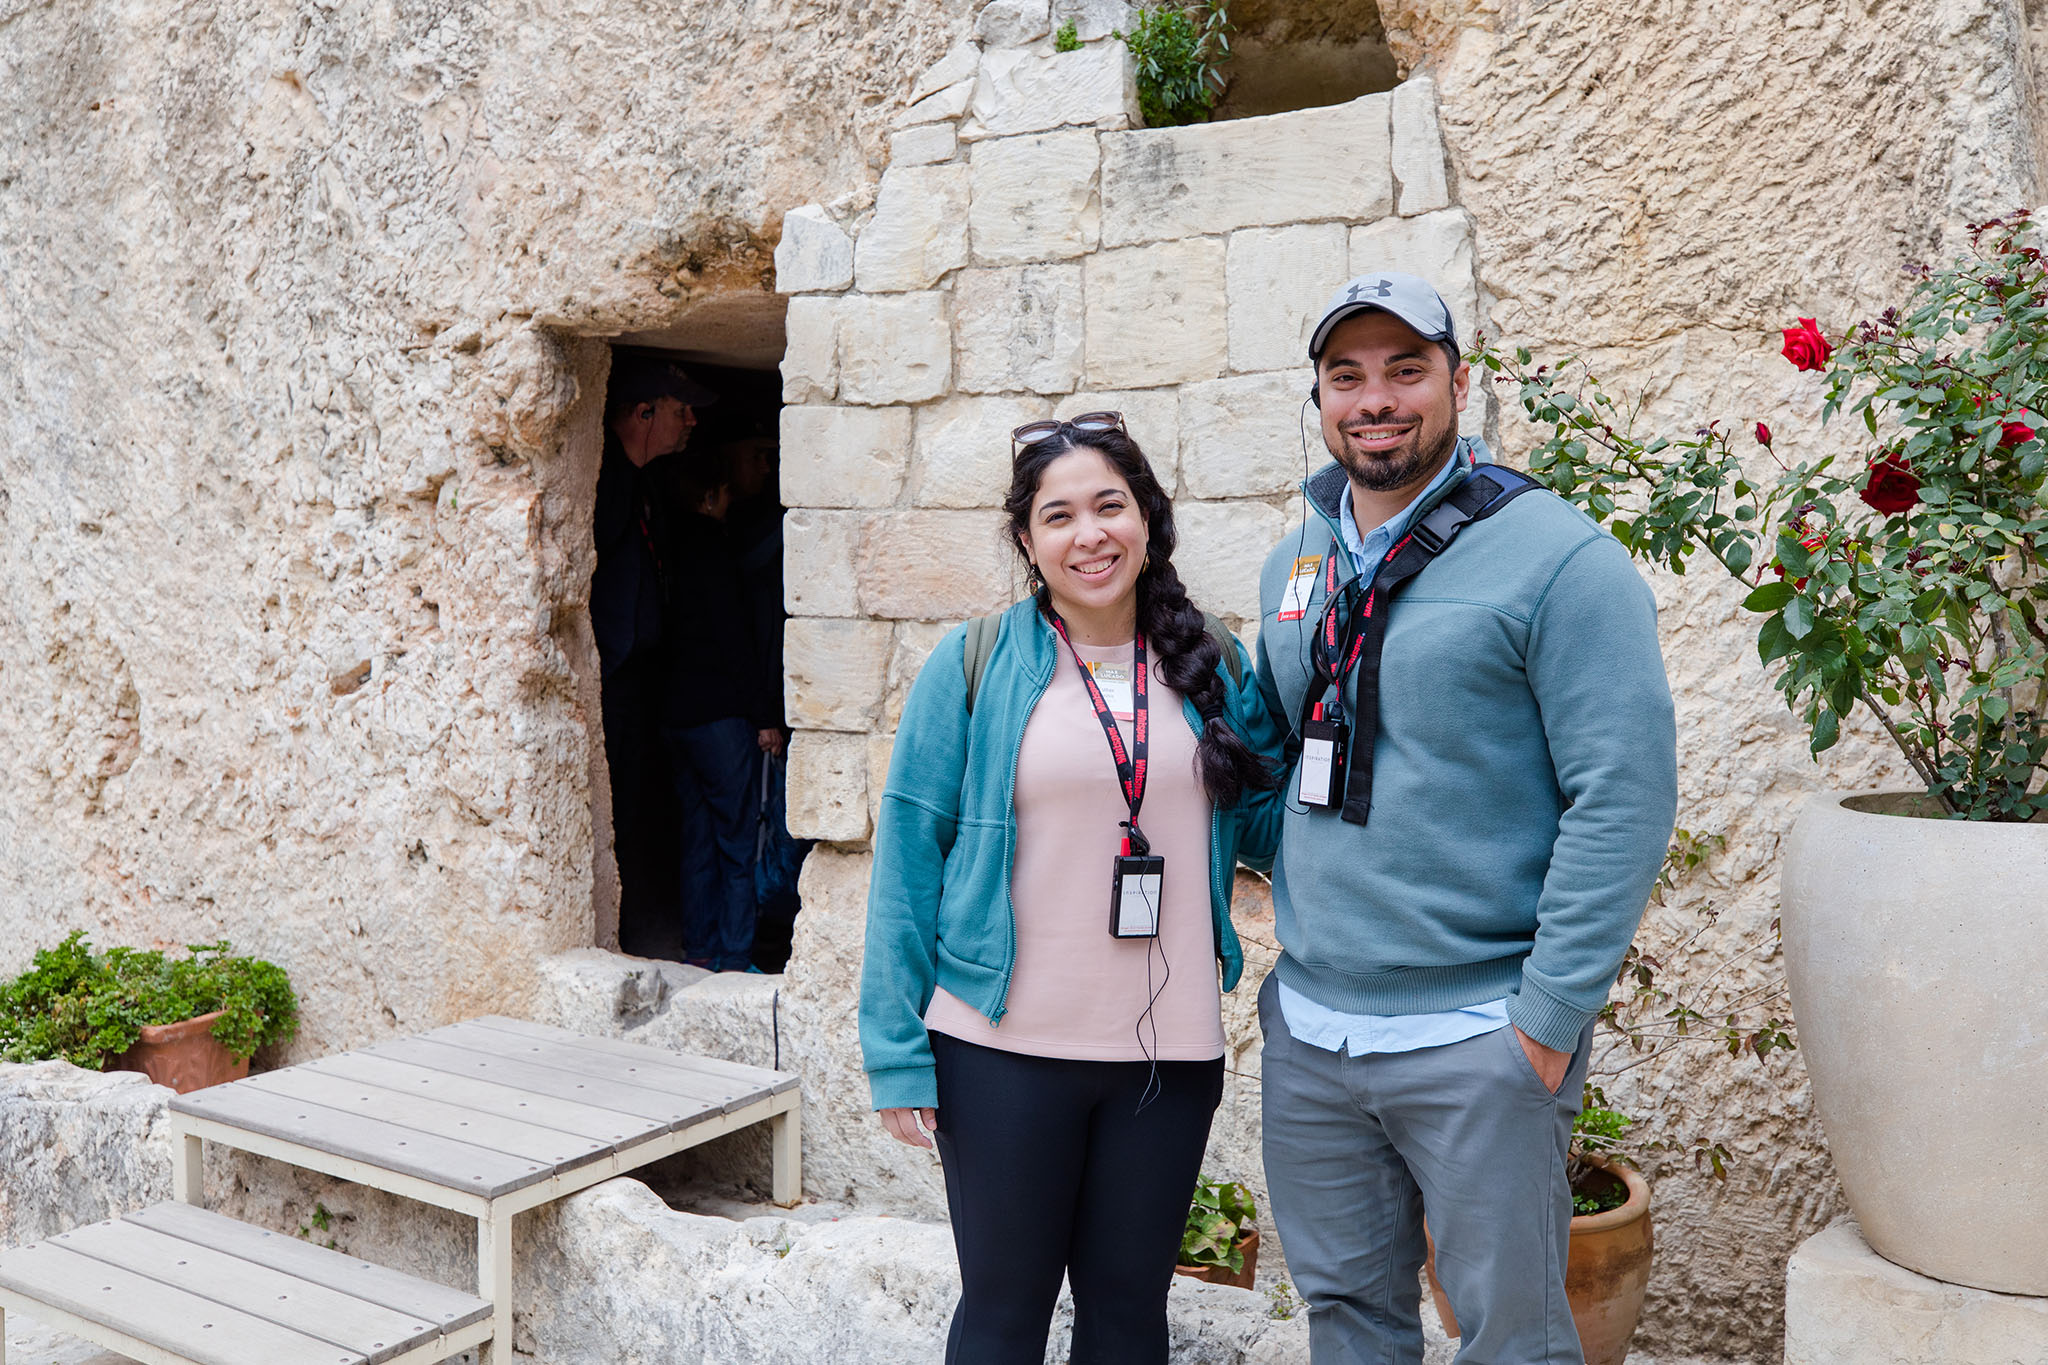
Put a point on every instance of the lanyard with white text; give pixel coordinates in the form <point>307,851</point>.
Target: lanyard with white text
<point>1130,766</point>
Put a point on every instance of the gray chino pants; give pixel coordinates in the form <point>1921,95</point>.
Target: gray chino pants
<point>1357,1148</point>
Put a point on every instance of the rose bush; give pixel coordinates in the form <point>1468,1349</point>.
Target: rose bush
<point>1930,609</point>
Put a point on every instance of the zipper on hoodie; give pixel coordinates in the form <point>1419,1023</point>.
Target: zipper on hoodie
<point>1009,841</point>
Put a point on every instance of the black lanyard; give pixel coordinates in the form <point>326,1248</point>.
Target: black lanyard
<point>1353,630</point>
<point>1130,765</point>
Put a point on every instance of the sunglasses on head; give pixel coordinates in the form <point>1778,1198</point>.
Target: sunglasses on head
<point>1031,433</point>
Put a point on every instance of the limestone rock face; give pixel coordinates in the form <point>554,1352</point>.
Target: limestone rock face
<point>78,1146</point>
<point>302,430</point>
<point>1019,328</point>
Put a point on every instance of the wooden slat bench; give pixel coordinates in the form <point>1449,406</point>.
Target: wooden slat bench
<point>489,1118</point>
<point>176,1285</point>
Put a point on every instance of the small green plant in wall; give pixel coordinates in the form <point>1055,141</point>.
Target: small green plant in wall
<point>1179,51</point>
<point>1067,38</point>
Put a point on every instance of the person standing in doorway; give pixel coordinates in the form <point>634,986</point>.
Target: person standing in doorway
<point>718,717</point>
<point>650,409</point>
<point>1484,785</point>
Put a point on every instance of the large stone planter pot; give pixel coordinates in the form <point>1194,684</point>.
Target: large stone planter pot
<point>184,1056</point>
<point>1917,954</point>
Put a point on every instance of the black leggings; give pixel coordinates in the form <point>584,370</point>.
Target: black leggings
<point>1051,1167</point>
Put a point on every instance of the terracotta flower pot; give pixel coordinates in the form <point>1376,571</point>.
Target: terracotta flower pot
<point>1607,1270</point>
<point>1917,954</point>
<point>184,1056</point>
<point>1219,1274</point>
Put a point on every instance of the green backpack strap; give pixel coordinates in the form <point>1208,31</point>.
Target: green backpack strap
<point>981,642</point>
<point>1214,625</point>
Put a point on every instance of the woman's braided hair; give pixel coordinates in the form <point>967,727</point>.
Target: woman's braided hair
<point>1171,624</point>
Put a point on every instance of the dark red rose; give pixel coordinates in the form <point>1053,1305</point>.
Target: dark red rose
<point>1893,487</point>
<point>2016,434</point>
<point>1805,347</point>
<point>1763,435</point>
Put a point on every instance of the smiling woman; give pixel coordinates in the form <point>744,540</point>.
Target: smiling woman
<point>1036,1029</point>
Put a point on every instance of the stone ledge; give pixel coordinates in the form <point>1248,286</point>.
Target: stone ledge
<point>1846,1305</point>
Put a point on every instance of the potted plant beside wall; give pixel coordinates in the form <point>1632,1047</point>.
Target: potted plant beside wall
<point>1905,581</point>
<point>185,1022</point>
<point>1221,1241</point>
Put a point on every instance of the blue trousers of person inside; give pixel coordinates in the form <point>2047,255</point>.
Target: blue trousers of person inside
<point>716,769</point>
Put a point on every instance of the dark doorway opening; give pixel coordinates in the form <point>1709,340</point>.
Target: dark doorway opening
<point>686,602</point>
<point>1301,54</point>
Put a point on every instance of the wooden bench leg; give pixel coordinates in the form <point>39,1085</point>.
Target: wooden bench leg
<point>785,1131</point>
<point>494,1284</point>
<point>188,1180</point>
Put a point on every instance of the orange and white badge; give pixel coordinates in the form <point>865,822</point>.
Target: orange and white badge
<point>1301,585</point>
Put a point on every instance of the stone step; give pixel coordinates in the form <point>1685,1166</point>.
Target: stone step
<point>177,1285</point>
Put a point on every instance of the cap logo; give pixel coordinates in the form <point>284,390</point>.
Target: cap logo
<point>1382,289</point>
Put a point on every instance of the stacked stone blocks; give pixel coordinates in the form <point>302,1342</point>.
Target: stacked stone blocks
<point>1030,252</point>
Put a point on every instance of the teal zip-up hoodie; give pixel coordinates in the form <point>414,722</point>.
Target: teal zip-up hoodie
<point>1524,776</point>
<point>939,911</point>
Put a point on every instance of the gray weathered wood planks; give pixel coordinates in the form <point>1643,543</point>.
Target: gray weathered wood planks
<point>198,1329</point>
<point>449,1309</point>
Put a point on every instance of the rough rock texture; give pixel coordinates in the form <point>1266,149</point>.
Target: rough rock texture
<point>298,432</point>
<point>77,1146</point>
<point>1591,145</point>
<point>1847,1305</point>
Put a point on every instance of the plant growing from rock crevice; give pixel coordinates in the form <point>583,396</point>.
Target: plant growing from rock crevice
<point>1179,51</point>
<point>1907,580</point>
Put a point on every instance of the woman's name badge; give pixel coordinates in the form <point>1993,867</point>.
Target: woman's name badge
<point>1301,585</point>
<point>1115,682</point>
<point>1134,891</point>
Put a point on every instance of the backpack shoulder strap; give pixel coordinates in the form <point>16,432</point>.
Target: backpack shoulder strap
<point>981,642</point>
<point>1214,625</point>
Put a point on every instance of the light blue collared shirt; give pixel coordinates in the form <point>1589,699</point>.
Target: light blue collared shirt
<point>1359,1034</point>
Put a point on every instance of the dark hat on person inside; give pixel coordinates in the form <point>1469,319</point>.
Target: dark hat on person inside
<point>638,379</point>
<point>1409,298</point>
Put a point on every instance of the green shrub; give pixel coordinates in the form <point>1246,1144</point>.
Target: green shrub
<point>83,1007</point>
<point>1177,50</point>
<point>1067,39</point>
<point>1219,1216</point>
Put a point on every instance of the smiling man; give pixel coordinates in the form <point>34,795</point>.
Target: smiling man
<point>1482,789</point>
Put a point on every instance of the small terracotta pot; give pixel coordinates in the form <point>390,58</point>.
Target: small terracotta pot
<point>1607,1269</point>
<point>184,1056</point>
<point>1220,1274</point>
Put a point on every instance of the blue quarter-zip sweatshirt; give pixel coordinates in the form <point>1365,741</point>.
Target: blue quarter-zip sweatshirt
<point>1524,775</point>
<point>939,911</point>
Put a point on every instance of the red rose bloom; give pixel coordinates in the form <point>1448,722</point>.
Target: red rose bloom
<point>1805,347</point>
<point>2016,434</point>
<point>1763,435</point>
<point>1893,487</point>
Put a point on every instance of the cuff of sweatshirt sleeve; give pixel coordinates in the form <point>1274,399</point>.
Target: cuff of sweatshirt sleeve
<point>1547,1019</point>
<point>905,1087</point>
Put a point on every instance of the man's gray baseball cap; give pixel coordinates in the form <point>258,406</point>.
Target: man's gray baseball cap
<point>1414,301</point>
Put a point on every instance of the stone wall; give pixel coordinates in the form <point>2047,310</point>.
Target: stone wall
<point>298,436</point>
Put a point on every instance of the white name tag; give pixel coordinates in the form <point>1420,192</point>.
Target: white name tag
<point>1314,768</point>
<point>1115,682</point>
<point>1137,910</point>
<point>1301,585</point>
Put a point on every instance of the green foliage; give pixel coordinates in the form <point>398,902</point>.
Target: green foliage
<point>1219,1216</point>
<point>1178,50</point>
<point>1283,1304</point>
<point>1066,38</point>
<point>83,1006</point>
<point>1597,1131</point>
<point>1922,602</point>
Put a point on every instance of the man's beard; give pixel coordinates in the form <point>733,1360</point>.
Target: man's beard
<point>1398,468</point>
